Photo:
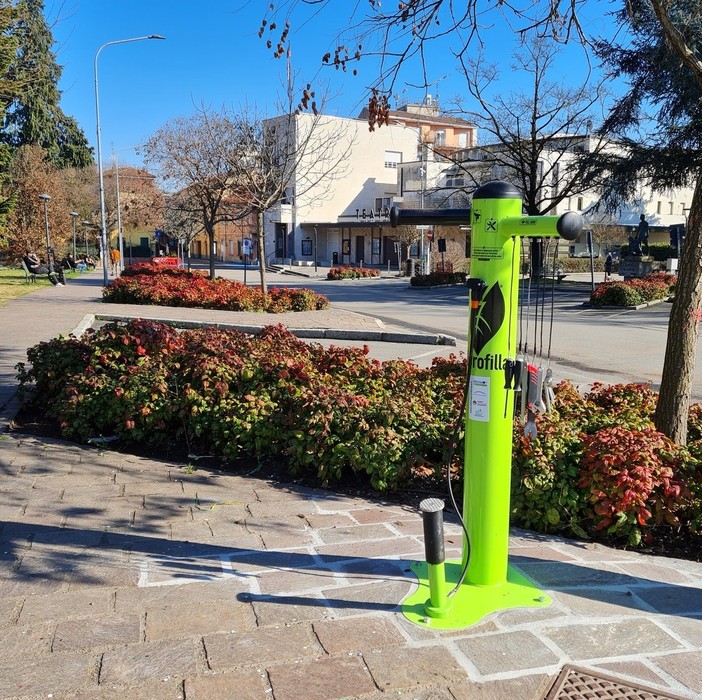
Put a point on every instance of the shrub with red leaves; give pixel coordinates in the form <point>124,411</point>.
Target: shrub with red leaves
<point>631,479</point>
<point>175,287</point>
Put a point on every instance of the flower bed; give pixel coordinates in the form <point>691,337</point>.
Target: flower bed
<point>653,287</point>
<point>597,468</point>
<point>351,273</point>
<point>147,284</point>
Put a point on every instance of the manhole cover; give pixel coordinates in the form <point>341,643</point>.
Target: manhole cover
<point>579,684</point>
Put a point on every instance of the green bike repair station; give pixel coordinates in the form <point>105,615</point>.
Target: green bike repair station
<point>454,595</point>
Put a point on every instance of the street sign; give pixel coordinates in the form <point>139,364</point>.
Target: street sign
<point>246,246</point>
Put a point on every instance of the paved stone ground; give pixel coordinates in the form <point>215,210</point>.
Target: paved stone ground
<point>127,577</point>
<point>122,577</point>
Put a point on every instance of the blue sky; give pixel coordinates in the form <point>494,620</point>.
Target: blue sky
<point>212,56</point>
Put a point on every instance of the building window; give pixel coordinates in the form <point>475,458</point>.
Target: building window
<point>382,203</point>
<point>455,180</point>
<point>440,138</point>
<point>392,159</point>
<point>580,203</point>
<point>462,140</point>
<point>659,207</point>
<point>672,204</point>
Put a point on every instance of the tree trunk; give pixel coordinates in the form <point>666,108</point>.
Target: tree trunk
<point>679,364</point>
<point>260,233</point>
<point>209,227</point>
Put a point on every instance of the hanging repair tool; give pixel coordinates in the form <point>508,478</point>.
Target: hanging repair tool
<point>524,382</point>
<point>549,395</point>
<point>539,404</point>
<point>531,399</point>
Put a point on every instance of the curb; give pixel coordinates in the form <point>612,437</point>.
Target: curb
<point>310,333</point>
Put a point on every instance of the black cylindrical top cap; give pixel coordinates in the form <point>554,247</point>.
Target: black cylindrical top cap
<point>497,189</point>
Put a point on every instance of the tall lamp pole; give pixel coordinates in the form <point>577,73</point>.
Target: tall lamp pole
<point>103,218</point>
<point>120,235</point>
<point>86,225</point>
<point>46,198</point>
<point>74,216</point>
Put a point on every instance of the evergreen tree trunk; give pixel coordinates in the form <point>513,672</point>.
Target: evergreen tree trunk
<point>260,234</point>
<point>679,364</point>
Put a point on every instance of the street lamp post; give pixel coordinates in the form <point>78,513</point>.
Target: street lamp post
<point>120,235</point>
<point>46,198</point>
<point>103,218</point>
<point>315,249</point>
<point>87,225</point>
<point>74,215</point>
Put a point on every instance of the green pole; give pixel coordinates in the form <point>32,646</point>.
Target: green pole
<point>497,226</point>
<point>495,259</point>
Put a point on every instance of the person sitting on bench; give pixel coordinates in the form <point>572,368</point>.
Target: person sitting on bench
<point>36,267</point>
<point>70,263</point>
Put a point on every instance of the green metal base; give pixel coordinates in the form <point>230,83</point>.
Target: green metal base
<point>471,603</point>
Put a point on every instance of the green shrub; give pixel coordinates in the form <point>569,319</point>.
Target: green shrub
<point>331,412</point>
<point>580,264</point>
<point>345,272</point>
<point>545,470</point>
<point>438,278</point>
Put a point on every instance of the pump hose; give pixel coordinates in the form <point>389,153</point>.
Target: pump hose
<point>474,301</point>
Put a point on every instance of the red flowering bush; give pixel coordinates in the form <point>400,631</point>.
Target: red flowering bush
<point>597,468</point>
<point>657,285</point>
<point>346,272</point>
<point>630,477</point>
<point>331,413</point>
<point>174,287</point>
<point>156,269</point>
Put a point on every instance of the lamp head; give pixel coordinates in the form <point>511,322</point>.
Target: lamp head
<point>45,197</point>
<point>155,36</point>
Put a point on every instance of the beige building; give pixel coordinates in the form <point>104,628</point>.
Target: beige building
<point>344,218</point>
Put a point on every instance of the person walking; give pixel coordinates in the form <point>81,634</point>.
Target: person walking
<point>115,257</point>
<point>608,267</point>
<point>642,234</point>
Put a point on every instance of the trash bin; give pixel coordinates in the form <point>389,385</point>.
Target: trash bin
<point>409,267</point>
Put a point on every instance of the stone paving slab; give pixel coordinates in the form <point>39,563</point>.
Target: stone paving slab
<point>120,597</point>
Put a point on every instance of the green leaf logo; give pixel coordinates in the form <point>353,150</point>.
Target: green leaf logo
<point>490,317</point>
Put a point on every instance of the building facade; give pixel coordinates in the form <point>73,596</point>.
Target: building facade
<point>343,219</point>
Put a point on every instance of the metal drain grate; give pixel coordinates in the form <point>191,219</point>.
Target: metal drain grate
<point>580,684</point>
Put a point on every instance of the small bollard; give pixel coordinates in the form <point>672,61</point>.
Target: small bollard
<point>438,604</point>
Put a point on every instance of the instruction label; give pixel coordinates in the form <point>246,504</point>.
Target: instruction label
<point>486,253</point>
<point>479,398</point>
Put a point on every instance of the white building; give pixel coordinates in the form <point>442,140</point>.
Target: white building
<point>661,209</point>
<point>344,213</point>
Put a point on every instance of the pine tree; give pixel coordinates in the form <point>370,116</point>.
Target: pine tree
<point>34,116</point>
<point>658,123</point>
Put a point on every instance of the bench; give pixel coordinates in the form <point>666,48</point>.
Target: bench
<point>29,276</point>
